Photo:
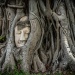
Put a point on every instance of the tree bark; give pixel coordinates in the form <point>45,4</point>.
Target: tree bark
<point>50,45</point>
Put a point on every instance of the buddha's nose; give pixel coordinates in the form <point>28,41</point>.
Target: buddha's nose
<point>22,37</point>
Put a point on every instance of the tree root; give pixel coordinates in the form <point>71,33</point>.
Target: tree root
<point>39,66</point>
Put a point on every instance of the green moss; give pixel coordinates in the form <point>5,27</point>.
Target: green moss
<point>2,38</point>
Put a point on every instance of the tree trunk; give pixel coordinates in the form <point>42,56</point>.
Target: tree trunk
<point>49,40</point>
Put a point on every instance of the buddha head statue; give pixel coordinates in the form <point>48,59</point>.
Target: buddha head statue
<point>22,30</point>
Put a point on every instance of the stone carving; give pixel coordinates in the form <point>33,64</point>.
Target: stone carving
<point>22,30</point>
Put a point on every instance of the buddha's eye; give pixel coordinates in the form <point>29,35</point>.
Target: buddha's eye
<point>19,32</point>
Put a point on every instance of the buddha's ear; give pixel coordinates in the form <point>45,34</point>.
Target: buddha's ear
<point>16,28</point>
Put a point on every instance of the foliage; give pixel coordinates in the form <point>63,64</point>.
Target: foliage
<point>17,72</point>
<point>2,38</point>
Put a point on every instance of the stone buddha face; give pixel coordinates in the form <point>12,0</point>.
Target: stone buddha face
<point>22,31</point>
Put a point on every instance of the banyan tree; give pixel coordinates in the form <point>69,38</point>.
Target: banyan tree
<point>37,35</point>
